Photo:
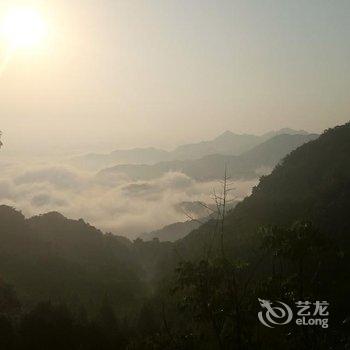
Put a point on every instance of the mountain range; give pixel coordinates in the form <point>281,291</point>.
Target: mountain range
<point>311,183</point>
<point>228,143</point>
<point>43,254</point>
<point>300,210</point>
<point>249,165</point>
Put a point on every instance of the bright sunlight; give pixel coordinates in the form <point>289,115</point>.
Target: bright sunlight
<point>23,28</point>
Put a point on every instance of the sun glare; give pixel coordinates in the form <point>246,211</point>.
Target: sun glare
<point>23,28</point>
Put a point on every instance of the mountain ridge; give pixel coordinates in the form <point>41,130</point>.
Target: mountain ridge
<point>227,143</point>
<point>210,167</point>
<point>311,183</point>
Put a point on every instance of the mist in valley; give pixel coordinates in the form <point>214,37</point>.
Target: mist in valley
<point>114,203</point>
<point>174,175</point>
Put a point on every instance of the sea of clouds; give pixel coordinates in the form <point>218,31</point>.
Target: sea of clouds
<point>112,202</point>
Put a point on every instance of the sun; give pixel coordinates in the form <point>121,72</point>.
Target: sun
<point>23,28</point>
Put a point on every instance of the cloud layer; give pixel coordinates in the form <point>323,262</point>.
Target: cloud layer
<point>113,203</point>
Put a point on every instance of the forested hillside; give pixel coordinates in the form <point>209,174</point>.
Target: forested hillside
<point>49,257</point>
<point>288,241</point>
<point>311,183</point>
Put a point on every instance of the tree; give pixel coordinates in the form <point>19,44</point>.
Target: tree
<point>297,254</point>
<point>212,293</point>
<point>48,326</point>
<point>9,303</point>
<point>9,307</point>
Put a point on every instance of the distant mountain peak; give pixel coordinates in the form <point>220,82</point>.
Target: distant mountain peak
<point>288,131</point>
<point>227,143</point>
<point>293,131</point>
<point>226,133</point>
<point>52,215</point>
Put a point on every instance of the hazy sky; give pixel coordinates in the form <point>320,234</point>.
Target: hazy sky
<point>163,72</point>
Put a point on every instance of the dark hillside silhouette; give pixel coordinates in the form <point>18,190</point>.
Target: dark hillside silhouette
<point>312,183</point>
<point>51,257</point>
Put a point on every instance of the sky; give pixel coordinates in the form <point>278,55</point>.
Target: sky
<point>127,73</point>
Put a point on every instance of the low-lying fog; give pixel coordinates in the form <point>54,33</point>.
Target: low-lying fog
<point>113,203</point>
